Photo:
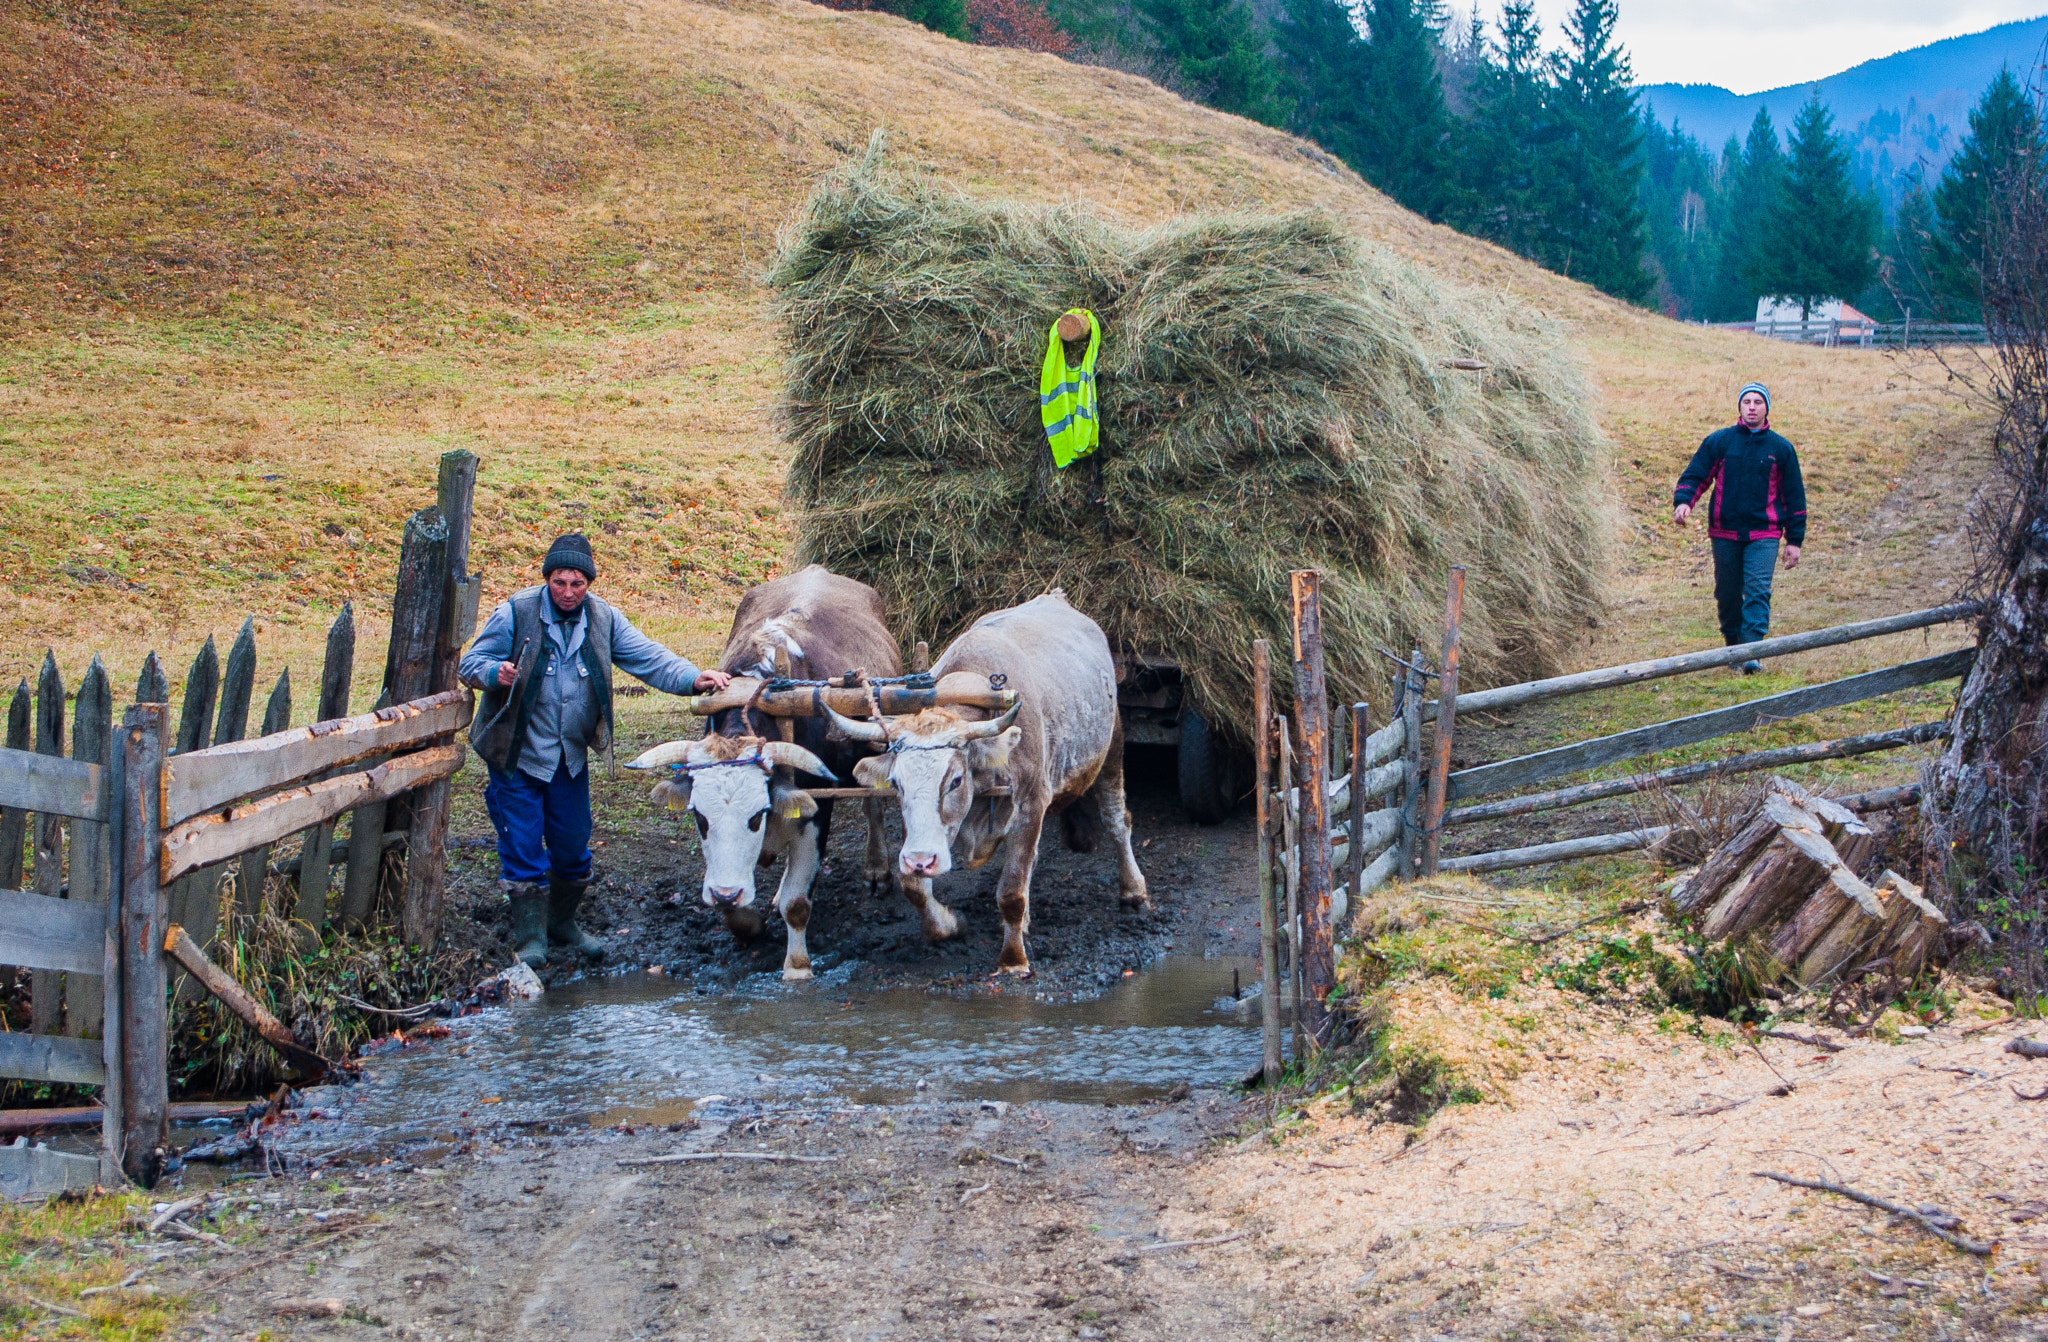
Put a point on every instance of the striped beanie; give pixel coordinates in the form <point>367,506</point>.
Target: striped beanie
<point>1761,390</point>
<point>570,551</point>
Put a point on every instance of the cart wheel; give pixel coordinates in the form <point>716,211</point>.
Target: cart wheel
<point>1204,768</point>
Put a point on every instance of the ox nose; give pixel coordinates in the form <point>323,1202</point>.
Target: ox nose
<point>921,864</point>
<point>725,897</point>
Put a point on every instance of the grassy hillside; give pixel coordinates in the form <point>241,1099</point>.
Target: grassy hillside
<point>260,262</point>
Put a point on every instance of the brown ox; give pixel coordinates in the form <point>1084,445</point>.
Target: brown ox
<point>828,625</point>
<point>1060,750</point>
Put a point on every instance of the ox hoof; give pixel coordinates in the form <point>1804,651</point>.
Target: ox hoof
<point>795,975</point>
<point>940,924</point>
<point>1021,971</point>
<point>1138,903</point>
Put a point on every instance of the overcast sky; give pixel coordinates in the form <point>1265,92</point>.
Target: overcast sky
<point>1749,45</point>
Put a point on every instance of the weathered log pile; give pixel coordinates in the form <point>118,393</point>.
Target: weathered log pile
<point>1788,879</point>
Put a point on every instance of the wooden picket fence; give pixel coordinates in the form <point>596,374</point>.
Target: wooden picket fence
<point>158,817</point>
<point>1326,840</point>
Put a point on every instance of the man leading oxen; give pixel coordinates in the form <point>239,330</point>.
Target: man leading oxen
<point>1060,749</point>
<point>748,814</point>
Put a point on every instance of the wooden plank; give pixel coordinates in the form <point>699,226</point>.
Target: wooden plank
<point>202,690</point>
<point>363,877</point>
<point>39,932</point>
<point>143,1029</point>
<point>91,876</point>
<point>1446,724</point>
<point>255,864</point>
<point>1269,918</point>
<point>152,686</point>
<point>1883,799</point>
<point>1775,758</point>
<point>416,606</point>
<point>1593,846</point>
<point>868,793</point>
<point>205,840</point>
<point>211,779</point>
<point>47,995</point>
<point>202,909</point>
<point>1527,769</point>
<point>961,688</point>
<point>51,786</point>
<point>52,1058</point>
<point>1289,900</point>
<point>455,492</point>
<point>1312,709</point>
<point>337,671</point>
<point>1509,696</point>
<point>1355,867</point>
<point>14,815</point>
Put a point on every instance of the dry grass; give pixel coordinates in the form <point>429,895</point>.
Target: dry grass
<point>325,244</point>
<point>51,1252</point>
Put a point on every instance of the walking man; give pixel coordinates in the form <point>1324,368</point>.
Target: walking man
<point>544,663</point>
<point>1759,501</point>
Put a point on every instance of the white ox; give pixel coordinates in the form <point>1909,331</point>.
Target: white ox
<point>747,818</point>
<point>1060,750</point>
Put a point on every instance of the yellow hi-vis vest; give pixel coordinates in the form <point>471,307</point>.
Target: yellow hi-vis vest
<point>1066,395</point>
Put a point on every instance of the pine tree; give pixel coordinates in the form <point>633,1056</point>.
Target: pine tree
<point>1820,233</point>
<point>1501,141</point>
<point>1592,226</point>
<point>1322,65</point>
<point>2003,128</point>
<point>1403,127</point>
<point>1219,50</point>
<point>1678,189</point>
<point>1752,175</point>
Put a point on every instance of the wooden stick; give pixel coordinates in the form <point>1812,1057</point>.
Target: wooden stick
<point>1509,696</point>
<point>217,981</point>
<point>1194,1243</point>
<point>805,701</point>
<point>1290,861</point>
<point>1262,790</point>
<point>732,1155</point>
<point>92,733</point>
<point>337,674</point>
<point>1446,719</point>
<point>1411,771</point>
<point>1354,871</point>
<point>48,842</point>
<point>1963,1242</point>
<point>1596,845</point>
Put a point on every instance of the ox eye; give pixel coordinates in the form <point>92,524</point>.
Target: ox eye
<point>953,785</point>
<point>703,825</point>
<point>759,816</point>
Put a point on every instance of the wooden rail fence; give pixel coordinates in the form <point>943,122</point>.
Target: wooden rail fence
<point>1326,840</point>
<point>161,818</point>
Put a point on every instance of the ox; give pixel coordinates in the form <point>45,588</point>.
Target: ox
<point>1060,749</point>
<point>748,814</point>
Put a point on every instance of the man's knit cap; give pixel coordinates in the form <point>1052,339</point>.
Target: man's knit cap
<point>1761,390</point>
<point>570,551</point>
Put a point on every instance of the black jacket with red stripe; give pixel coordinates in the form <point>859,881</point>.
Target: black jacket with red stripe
<point>1758,494</point>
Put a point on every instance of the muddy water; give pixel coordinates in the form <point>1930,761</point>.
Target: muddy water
<point>650,1050</point>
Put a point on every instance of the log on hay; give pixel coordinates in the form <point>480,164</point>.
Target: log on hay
<point>1273,395</point>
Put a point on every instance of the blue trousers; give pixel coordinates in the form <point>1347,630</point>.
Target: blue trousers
<point>531,816</point>
<point>1742,588</point>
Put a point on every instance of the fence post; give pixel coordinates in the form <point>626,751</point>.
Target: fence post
<point>1262,773</point>
<point>409,670</point>
<point>316,872</point>
<point>1312,708</point>
<point>145,1078</point>
<point>426,849</point>
<point>92,728</point>
<point>237,693</point>
<point>48,990</point>
<point>1446,723</point>
<point>1411,762</point>
<point>1354,872</point>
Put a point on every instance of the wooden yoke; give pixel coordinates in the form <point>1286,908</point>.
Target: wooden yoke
<point>963,689</point>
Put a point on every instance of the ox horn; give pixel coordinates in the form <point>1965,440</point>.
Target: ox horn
<point>981,731</point>
<point>855,729</point>
<point>666,755</point>
<point>796,757</point>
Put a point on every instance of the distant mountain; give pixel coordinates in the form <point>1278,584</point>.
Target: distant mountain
<point>1912,107</point>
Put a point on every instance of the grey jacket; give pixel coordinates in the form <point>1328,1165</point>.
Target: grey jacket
<point>560,706</point>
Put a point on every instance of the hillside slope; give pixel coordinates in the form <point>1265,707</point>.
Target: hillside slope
<point>261,261</point>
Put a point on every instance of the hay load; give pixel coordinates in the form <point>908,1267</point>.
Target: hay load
<point>1275,394</point>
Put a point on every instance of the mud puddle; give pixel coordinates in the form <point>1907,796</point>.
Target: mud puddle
<point>639,1049</point>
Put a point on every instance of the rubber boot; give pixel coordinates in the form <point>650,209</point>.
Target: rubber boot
<point>529,921</point>
<point>563,897</point>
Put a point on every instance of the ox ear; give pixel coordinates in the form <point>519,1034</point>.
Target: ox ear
<point>993,755</point>
<point>872,771</point>
<point>791,803</point>
<point>673,793</point>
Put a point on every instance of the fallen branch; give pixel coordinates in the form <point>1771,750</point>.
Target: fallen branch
<point>731,1155</point>
<point>1830,1045</point>
<point>1548,937</point>
<point>972,1192</point>
<point>1937,1067</point>
<point>360,1005</point>
<point>329,1308</point>
<point>1983,1025</point>
<point>2027,1047</point>
<point>174,1211</point>
<point>2020,1094</point>
<point>54,1309</point>
<point>234,997</point>
<point>1743,1273</point>
<point>1194,1243</point>
<point>1963,1242</point>
<point>121,1285</point>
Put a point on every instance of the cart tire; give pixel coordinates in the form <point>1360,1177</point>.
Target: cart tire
<point>1204,769</point>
